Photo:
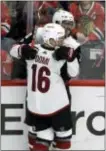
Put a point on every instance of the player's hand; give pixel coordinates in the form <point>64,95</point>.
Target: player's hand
<point>26,52</point>
<point>64,53</point>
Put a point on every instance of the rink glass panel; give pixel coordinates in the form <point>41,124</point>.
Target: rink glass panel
<point>23,19</point>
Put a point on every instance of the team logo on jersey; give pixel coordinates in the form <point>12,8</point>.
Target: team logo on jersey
<point>86,25</point>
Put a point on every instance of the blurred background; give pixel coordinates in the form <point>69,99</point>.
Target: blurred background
<point>19,18</point>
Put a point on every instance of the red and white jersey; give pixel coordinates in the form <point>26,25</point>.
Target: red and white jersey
<point>46,89</point>
<point>91,23</point>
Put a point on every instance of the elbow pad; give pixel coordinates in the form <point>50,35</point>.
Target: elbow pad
<point>26,52</point>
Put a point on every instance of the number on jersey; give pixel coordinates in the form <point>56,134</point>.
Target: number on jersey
<point>41,82</point>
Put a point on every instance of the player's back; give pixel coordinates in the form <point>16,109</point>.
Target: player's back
<point>46,90</point>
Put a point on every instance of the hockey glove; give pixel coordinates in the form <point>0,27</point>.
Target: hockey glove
<point>66,53</point>
<point>26,52</point>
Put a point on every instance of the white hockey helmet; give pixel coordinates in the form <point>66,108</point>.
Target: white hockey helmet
<point>62,15</point>
<point>52,31</point>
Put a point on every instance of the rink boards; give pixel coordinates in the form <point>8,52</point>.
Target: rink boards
<point>87,111</point>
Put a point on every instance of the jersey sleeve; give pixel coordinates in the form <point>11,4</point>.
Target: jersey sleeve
<point>98,32</point>
<point>71,42</point>
<point>26,52</point>
<point>14,52</point>
<point>73,8</point>
<point>73,68</point>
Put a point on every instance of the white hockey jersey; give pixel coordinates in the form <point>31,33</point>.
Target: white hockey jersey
<point>46,90</point>
<point>71,42</point>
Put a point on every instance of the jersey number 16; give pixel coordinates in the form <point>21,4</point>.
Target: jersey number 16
<point>40,82</point>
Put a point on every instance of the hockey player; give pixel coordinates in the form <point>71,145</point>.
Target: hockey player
<point>69,42</point>
<point>59,17</point>
<point>66,20</point>
<point>49,111</point>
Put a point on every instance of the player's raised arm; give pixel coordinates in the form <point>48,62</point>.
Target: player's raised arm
<point>73,62</point>
<point>70,55</point>
<point>23,51</point>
